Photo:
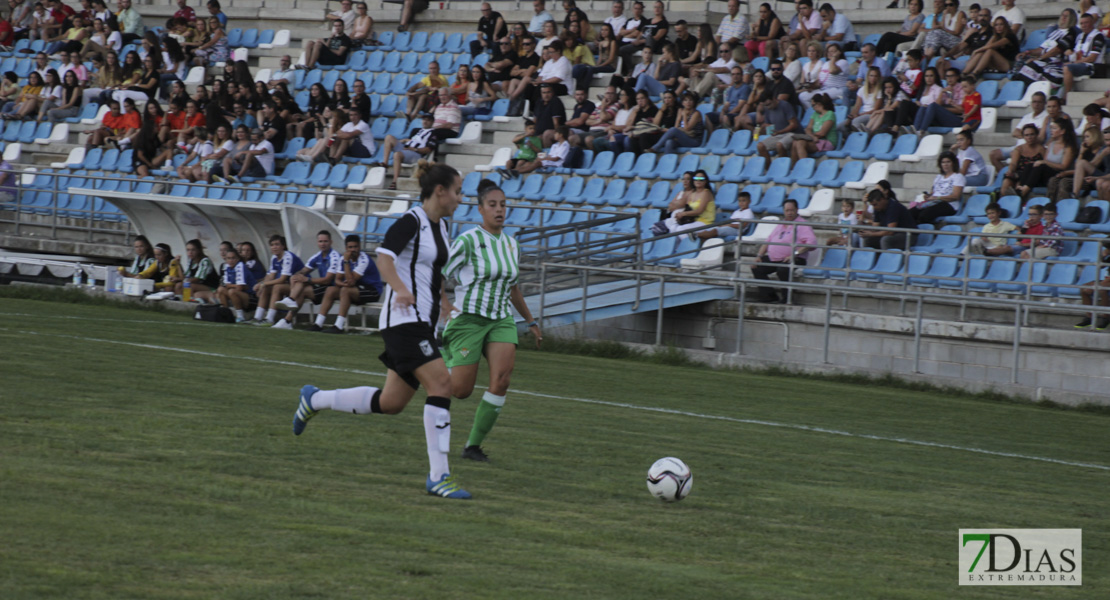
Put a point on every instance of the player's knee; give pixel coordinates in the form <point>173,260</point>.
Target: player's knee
<point>499,383</point>
<point>462,390</point>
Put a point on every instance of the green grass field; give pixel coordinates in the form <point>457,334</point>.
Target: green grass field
<point>148,456</point>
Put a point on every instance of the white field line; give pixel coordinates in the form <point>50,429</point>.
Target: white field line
<point>624,405</point>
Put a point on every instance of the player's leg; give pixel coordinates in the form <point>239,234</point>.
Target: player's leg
<point>347,297</point>
<point>501,357</point>
<point>325,305</point>
<point>434,377</point>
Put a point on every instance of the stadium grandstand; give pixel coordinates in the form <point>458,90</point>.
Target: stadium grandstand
<point>325,119</point>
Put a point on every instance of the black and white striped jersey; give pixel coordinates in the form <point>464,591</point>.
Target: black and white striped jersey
<point>419,249</point>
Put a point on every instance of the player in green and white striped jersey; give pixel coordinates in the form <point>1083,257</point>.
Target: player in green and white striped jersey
<point>485,262</point>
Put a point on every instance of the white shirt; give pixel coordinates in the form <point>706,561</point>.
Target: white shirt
<point>348,19</point>
<point>977,164</point>
<point>725,77</point>
<point>559,68</point>
<point>266,159</point>
<point>630,23</point>
<point>364,134</point>
<point>289,76</point>
<point>617,23</point>
<point>1014,16</point>
<point>204,149</point>
<point>1029,119</point>
<point>557,154</point>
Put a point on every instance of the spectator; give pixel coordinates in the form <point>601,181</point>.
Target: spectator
<point>832,77</point>
<point>358,283</point>
<point>214,11</point>
<point>703,80</point>
<point>631,113</point>
<point>540,17</point>
<point>420,144</point>
<point>144,265</point>
<point>602,116</point>
<point>10,88</point>
<point>340,96</point>
<point>1082,57</point>
<point>354,139</point>
<point>256,160</point>
<point>184,11</point>
<point>273,126</point>
<point>581,112</point>
<point>687,131</point>
<point>478,94</point>
<point>528,146</point>
<point>70,103</point>
<point>284,74</point>
<point>208,154</point>
<point>868,102</point>
<point>216,49</point>
<point>552,159</point>
<point>650,33</point>
<point>704,53</point>
<point>947,194</point>
<point>130,22</point>
<point>108,77</point>
<point>345,15</point>
<point>70,40</point>
<point>327,262</point>
<point>948,26</point>
<point>361,31</point>
<point>911,77</point>
<point>448,116</point>
<point>616,20</point>
<point>1023,160</point>
<point>993,246</point>
<point>789,244</point>
<point>37,91</point>
<point>333,121</point>
<point>664,76</point>
<point>1060,153</point>
<point>931,93</point>
<point>501,63</point>
<point>555,73</point>
<point>685,44</point>
<point>102,41</point>
<point>846,218</point>
<point>77,68</point>
<point>734,225</point>
<point>576,51</point>
<point>549,114</point>
<point>1015,17</point>
<point>782,87</point>
<point>997,54</point>
<point>736,96</point>
<point>768,31</point>
<point>242,117</point>
<point>635,139</point>
<point>419,93</point>
<point>780,120</point>
<point>631,32</point>
<point>836,28</point>
<point>606,60</point>
<point>1046,62</point>
<point>1101,286</point>
<point>888,213</point>
<point>699,209</point>
<point>491,28</point>
<point>1092,172</point>
<point>237,286</point>
<point>806,23</point>
<point>867,59</point>
<point>821,134</point>
<point>114,126</point>
<point>1048,246</point>
<point>969,162</point>
<point>330,51</point>
<point>734,31</point>
<point>947,110</point>
<point>168,273</point>
<point>549,34</point>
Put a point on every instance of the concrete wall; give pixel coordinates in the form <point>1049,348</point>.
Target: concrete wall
<point>1062,365</point>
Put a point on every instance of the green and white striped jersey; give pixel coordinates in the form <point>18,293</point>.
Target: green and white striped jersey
<point>486,268</point>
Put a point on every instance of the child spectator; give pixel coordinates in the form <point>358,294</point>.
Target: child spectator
<point>734,226</point>
<point>992,246</point>
<point>846,217</point>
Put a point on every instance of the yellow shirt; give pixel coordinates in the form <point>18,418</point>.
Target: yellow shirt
<point>581,55</point>
<point>440,81</point>
<point>709,216</point>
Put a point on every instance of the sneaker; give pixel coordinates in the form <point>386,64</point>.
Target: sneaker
<point>474,453</point>
<point>283,324</point>
<point>287,303</point>
<point>1102,323</point>
<point>218,179</point>
<point>241,320</point>
<point>233,178</point>
<point>305,411</point>
<point>315,327</point>
<point>246,321</point>
<point>334,329</point>
<point>446,487</point>
<point>262,323</point>
<point>1085,323</point>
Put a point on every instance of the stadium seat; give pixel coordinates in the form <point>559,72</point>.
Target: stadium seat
<point>772,200</point>
<point>455,44</point>
<point>1087,252</point>
<point>659,196</point>
<point>802,169</point>
<point>529,187</point>
<point>942,266</point>
<point>856,142</point>
<point>92,159</point>
<point>740,143</point>
<point>602,161</point>
<point>266,38</point>
<point>292,146</point>
<point>666,165</point>
<point>337,179</point>
<point>402,41</point>
<point>753,167</point>
<point>799,195</point>
<point>780,168</point>
<point>249,39</point>
<point>393,60</point>
<point>916,266</point>
<point>725,199</point>
<point>1011,208</point>
<point>437,42</point>
<point>398,128</point>
<point>614,193</point>
<point>234,36</point>
<point>551,186</point>
<point>1028,275</point>
<point>594,189</point>
<point>470,184</point>
<point>886,263</point>
<point>718,140</point>
<point>385,39</point>
<point>710,163</point>
<point>572,188</point>
<point>623,162</point>
<point>643,166</point>
<point>974,206</point>
<point>1104,208</point>
<point>861,260</point>
<point>1012,91</point>
<point>998,271</point>
<point>689,162</point>
<point>634,196</point>
<point>943,243</point>
<point>1066,212</point>
<point>419,42</point>
<point>294,171</point>
<point>825,172</point>
<point>87,112</point>
<point>831,259</point>
<point>880,144</point>
<point>1060,274</point>
<point>905,144</point>
<point>730,171</point>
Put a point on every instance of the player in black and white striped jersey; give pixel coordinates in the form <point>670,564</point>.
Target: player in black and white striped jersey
<point>410,262</point>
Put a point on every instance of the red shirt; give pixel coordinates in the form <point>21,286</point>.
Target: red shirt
<point>1037,229</point>
<point>972,103</point>
<point>186,13</point>
<point>7,36</point>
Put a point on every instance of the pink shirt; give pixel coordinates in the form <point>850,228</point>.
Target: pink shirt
<point>783,233</point>
<point>448,116</point>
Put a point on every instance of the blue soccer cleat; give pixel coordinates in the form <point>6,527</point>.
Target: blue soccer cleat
<point>304,409</point>
<point>448,488</point>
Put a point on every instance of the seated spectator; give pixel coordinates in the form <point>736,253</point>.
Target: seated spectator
<point>806,22</point>
<point>361,31</point>
<point>284,74</point>
<point>972,106</point>
<point>993,246</point>
<point>846,218</point>
<point>576,51</point>
<point>554,73</point>
<point>604,113</point>
<point>237,287</point>
<point>736,96</point>
<point>480,95</point>
<point>130,22</point>
<point>549,34</point>
<point>1048,246</point>
<point>831,77</point>
<point>345,15</point>
<point>448,116</point>
<point>1060,154</point>
<point>680,199</point>
<point>1046,62</point>
<point>705,52</point>
<point>256,161</point>
<point>614,131</point>
<point>216,12</point>
<point>354,139</point>
<point>1036,117</point>
<point>1081,59</point>
<point>208,153</point>
<point>10,89</point>
<point>836,28</point>
<point>664,76</point>
<point>549,114</point>
<point>526,63</point>
<point>821,134</point>
<point>1101,286</point>
<point>780,121</point>
<point>1091,173</point>
<point>1024,160</point>
<point>68,106</point>
<point>948,27</point>
<point>29,98</point>
<point>70,40</point>
<point>552,159</point>
<point>687,131</point>
<point>181,126</point>
<point>764,39</point>
<point>421,93</point>
<point>888,213</point>
<point>334,50</point>
<point>947,110</point>
<point>1033,226</point>
<point>699,209</point>
<point>911,27</point>
<point>327,262</point>
<point>528,146</point>
<point>976,35</point>
<point>629,136</point>
<point>357,283</point>
<point>580,114</point>
<point>491,28</point>
<point>144,265</point>
<point>970,163</point>
<point>273,126</point>
<point>869,100</point>
<point>283,264</point>
<point>789,244</point>
<point>421,144</point>
<point>704,79</point>
<point>1015,17</point>
<point>997,54</point>
<point>947,194</point>
<point>606,61</point>
<point>184,11</point>
<point>734,226</point>
<point>867,60</point>
<point>114,126</point>
<point>199,272</point>
<point>145,88</point>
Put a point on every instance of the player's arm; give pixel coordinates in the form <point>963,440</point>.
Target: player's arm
<point>517,298</point>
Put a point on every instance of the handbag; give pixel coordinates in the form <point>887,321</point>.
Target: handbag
<point>1089,215</point>
<point>642,127</point>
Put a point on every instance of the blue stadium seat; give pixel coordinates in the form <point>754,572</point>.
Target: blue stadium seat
<point>825,173</point>
<point>551,186</point>
<point>974,206</point>
<point>1104,208</point>
<point>831,259</point>
<point>470,184</point>
<point>316,176</point>
<point>998,271</point>
<point>861,260</point>
<point>725,199</point>
<point>234,36</point>
<point>642,167</point>
<point>1024,214</point>
<point>1026,277</point>
<point>92,159</point>
<point>1086,275</point>
<point>856,142</point>
<point>623,162</point>
<point>772,200</point>
<point>292,146</point>
<point>740,143</point>
<point>916,265</point>
<point>109,159</point>
<point>753,167</point>
<point>398,128</point>
<point>423,63</point>
<point>385,39</point>
<point>887,263</point>
<point>802,169</point>
<point>1066,212</point>
<point>634,196</point>
<point>1011,207</point>
<point>337,179</point>
<point>718,140</point>
<point>529,187</point>
<point>329,79</point>
<point>943,243</point>
<point>602,161</point>
<point>879,144</point>
<point>1013,90</point>
<point>1060,274</point>
<point>587,159</point>
<point>660,195</point>
<point>88,112</point>
<point>665,166</point>
<point>594,189</point>
<point>572,188</point>
<point>266,36</point>
<point>357,62</point>
<point>378,128</point>
<point>780,167</point>
<point>419,42</point>
<point>249,39</point>
<point>762,63</point>
<point>614,192</point>
<point>906,144</point>
<point>988,89</point>
<point>730,171</point>
<point>799,195</point>
<point>392,62</point>
<point>942,266</point>
<point>311,78</point>
<point>28,130</point>
<point>454,44</point>
<point>689,162</point>
<point>437,42</point>
<point>711,164</point>
<point>375,61</point>
<point>1087,252</point>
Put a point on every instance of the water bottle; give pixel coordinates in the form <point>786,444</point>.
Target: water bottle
<point>78,276</point>
<point>187,291</point>
<point>755,134</point>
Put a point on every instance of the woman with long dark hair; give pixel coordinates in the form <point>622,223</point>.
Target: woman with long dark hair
<point>143,266</point>
<point>70,104</point>
<point>946,195</point>
<point>764,42</point>
<point>318,100</point>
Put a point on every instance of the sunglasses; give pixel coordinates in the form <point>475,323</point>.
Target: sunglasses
<point>699,179</point>
<point>776,68</point>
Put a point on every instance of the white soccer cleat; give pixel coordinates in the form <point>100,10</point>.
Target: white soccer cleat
<point>287,303</point>
<point>283,324</point>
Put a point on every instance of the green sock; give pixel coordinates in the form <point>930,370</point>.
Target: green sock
<point>488,409</point>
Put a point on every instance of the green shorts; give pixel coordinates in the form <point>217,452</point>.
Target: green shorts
<point>467,335</point>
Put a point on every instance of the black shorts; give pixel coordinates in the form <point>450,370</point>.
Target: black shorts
<point>408,347</point>
<point>366,294</point>
<point>329,58</point>
<point>318,292</point>
<point>358,150</point>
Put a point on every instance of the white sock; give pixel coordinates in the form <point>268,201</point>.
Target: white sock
<point>494,399</point>
<point>320,320</point>
<point>437,432</point>
<point>341,322</point>
<point>258,313</point>
<point>239,314</point>
<point>271,315</point>
<point>352,400</point>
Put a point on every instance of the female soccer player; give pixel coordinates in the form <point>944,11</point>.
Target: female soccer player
<point>486,263</point>
<point>410,262</point>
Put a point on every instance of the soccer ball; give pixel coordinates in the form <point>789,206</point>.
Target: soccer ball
<point>669,479</point>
